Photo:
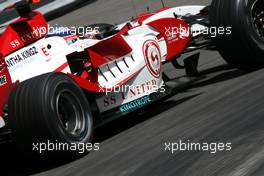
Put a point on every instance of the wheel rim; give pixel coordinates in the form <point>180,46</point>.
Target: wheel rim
<point>257,14</point>
<point>71,114</point>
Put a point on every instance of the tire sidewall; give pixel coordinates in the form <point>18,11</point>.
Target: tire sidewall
<point>248,32</point>
<point>56,127</point>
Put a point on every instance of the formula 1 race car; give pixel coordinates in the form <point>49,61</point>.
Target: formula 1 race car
<point>60,85</point>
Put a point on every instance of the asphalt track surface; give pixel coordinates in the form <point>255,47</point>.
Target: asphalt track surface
<point>225,106</point>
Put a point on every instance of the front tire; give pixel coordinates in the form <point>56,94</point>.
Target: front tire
<point>50,108</point>
<point>244,48</point>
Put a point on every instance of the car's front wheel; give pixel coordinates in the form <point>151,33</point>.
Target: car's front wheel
<point>244,47</point>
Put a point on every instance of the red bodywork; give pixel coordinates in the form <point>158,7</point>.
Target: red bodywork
<point>17,35</point>
<point>116,48</point>
<point>175,47</point>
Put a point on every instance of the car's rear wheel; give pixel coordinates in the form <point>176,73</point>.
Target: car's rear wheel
<point>50,108</point>
<point>244,47</point>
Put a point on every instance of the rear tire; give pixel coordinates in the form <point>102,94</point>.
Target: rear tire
<point>244,48</point>
<point>50,108</point>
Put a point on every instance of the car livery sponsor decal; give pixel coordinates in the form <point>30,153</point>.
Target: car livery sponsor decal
<point>130,93</point>
<point>127,93</point>
<point>23,56</point>
<point>152,56</point>
<point>135,104</point>
<point>29,37</point>
<point>3,80</point>
<point>45,51</point>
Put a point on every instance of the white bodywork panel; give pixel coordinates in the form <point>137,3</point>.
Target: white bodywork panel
<point>23,66</point>
<point>142,83</point>
<point>181,11</point>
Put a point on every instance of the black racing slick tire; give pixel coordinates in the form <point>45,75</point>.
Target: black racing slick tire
<point>50,108</point>
<point>244,47</point>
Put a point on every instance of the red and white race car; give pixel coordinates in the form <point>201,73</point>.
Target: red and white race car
<point>59,86</point>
